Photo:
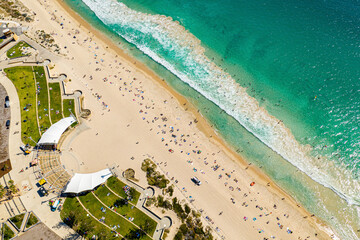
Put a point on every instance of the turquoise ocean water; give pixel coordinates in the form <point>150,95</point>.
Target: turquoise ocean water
<point>279,80</point>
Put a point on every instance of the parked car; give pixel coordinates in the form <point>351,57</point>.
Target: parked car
<point>7,124</point>
<point>7,102</point>
<point>196,181</point>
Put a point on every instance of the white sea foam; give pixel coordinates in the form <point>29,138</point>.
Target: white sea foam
<point>146,31</point>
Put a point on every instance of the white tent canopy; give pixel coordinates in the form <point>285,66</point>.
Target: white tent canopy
<point>53,134</point>
<point>85,182</point>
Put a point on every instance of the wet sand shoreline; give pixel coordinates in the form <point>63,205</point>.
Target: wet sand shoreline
<point>202,124</point>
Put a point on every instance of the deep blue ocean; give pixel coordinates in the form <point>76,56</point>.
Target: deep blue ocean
<point>279,80</point>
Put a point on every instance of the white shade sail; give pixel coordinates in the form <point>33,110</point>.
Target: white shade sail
<point>53,134</point>
<point>85,182</point>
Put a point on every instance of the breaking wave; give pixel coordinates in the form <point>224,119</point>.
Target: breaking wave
<point>172,46</point>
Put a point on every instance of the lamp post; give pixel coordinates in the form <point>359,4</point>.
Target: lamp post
<point>33,140</point>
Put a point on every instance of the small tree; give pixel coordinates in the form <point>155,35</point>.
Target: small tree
<point>183,228</point>
<point>131,193</point>
<point>178,236</point>
<point>12,187</point>
<point>2,191</point>
<point>135,234</point>
<point>167,204</point>
<point>5,167</point>
<point>120,202</point>
<point>71,220</point>
<point>170,190</point>
<point>85,226</point>
<point>147,226</point>
<point>187,209</point>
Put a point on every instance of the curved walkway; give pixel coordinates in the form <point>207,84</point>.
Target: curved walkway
<point>15,124</point>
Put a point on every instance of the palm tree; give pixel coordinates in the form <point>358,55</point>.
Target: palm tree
<point>12,187</point>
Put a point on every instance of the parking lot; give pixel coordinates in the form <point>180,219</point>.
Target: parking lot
<point>4,131</point>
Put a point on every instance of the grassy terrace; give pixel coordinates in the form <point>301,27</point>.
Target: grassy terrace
<point>55,102</point>
<point>27,89</point>
<point>68,105</point>
<point>17,50</point>
<point>24,82</point>
<point>76,217</point>
<point>117,186</point>
<point>111,218</point>
<point>43,100</point>
<point>128,210</point>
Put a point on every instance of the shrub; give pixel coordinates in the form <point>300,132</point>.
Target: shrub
<point>187,209</point>
<point>154,177</point>
<point>178,236</point>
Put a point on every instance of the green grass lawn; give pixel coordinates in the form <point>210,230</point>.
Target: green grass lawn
<point>23,79</point>
<point>111,218</point>
<point>17,50</point>
<point>140,218</point>
<point>117,186</point>
<point>55,102</point>
<point>74,214</point>
<point>69,105</point>
<point>43,101</point>
<point>17,220</point>
<point>8,233</point>
<point>31,220</point>
<point>1,40</point>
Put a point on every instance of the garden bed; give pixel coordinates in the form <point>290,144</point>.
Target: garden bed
<point>8,233</point>
<point>55,102</point>
<point>32,220</point>
<point>17,220</point>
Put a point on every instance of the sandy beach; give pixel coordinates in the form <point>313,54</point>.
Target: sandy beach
<point>135,116</point>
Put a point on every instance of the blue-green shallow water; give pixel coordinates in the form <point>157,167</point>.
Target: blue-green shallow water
<point>300,60</point>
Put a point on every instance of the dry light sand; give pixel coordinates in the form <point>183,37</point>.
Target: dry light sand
<point>135,116</point>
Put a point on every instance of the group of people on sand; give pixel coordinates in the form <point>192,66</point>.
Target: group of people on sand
<point>158,114</point>
<point>174,139</point>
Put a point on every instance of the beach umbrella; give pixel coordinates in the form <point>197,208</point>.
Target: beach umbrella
<point>252,184</point>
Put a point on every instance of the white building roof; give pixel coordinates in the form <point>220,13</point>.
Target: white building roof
<point>85,182</point>
<point>53,134</point>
